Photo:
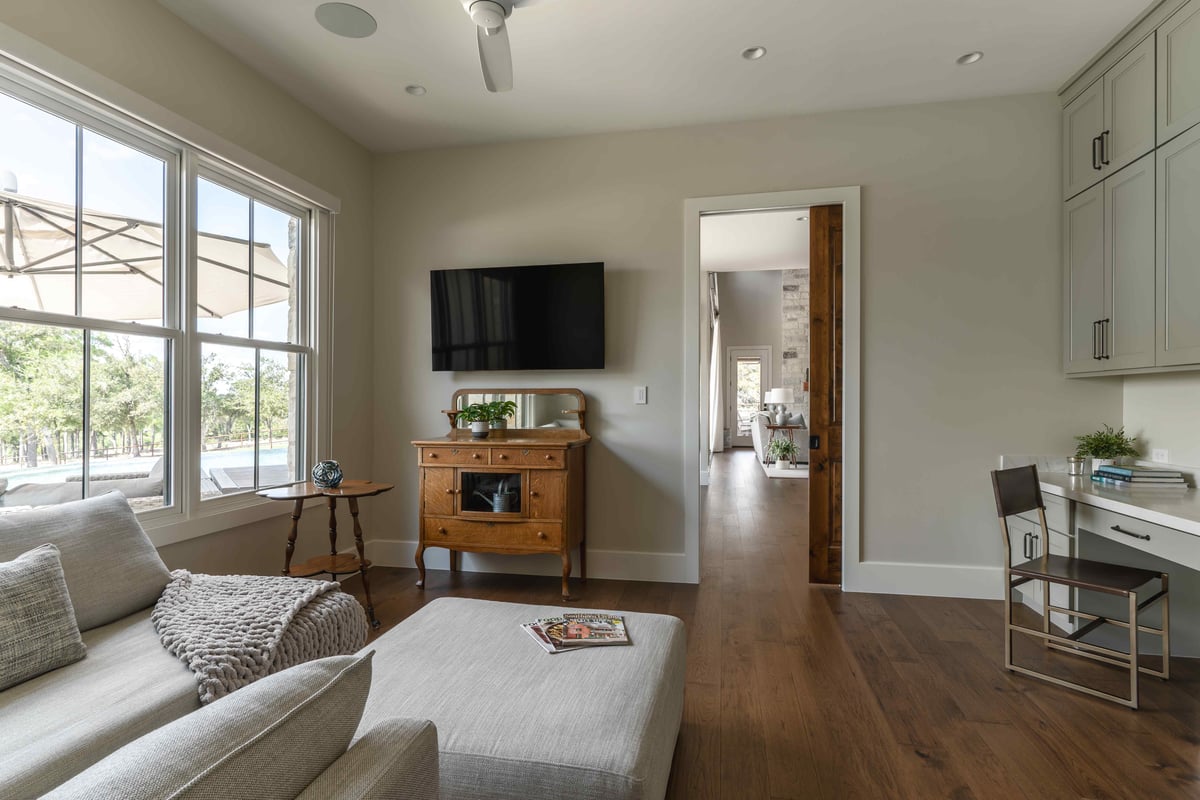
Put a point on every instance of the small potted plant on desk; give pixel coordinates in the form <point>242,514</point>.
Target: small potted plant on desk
<point>783,451</point>
<point>499,412</point>
<point>476,416</point>
<point>1105,447</point>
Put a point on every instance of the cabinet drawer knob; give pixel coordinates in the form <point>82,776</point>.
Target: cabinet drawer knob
<point>533,494</point>
<point>474,455</point>
<point>525,452</point>
<point>501,456</point>
<point>541,535</point>
<point>442,531</point>
<point>449,491</point>
<point>549,457</point>
<point>433,455</point>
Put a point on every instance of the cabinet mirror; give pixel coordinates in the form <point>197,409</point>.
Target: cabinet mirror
<point>535,408</point>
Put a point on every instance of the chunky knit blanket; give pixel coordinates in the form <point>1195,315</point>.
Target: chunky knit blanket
<point>232,630</point>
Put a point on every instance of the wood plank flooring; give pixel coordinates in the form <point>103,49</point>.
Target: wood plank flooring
<point>799,691</point>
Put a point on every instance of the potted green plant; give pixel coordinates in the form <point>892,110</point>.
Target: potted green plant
<point>477,417</point>
<point>783,451</point>
<point>498,413</point>
<point>1106,446</point>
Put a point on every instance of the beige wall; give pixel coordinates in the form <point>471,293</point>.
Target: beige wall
<point>961,301</point>
<point>752,313</point>
<point>1163,411</point>
<point>144,47</point>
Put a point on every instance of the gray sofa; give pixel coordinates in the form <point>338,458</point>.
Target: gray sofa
<point>456,701</point>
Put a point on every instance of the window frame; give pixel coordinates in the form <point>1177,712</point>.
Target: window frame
<point>188,517</point>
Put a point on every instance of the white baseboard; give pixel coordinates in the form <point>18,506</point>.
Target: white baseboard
<point>605,564</point>
<point>705,477</point>
<point>933,580</point>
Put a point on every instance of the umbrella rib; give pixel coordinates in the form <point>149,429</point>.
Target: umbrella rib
<point>85,243</point>
<point>246,272</point>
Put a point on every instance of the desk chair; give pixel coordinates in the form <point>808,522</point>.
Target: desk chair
<point>1017,491</point>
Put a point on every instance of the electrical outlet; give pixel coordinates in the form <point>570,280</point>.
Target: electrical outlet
<point>640,395</point>
<point>1161,456</point>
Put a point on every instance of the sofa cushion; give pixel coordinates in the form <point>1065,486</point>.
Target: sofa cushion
<point>37,623</point>
<point>395,760</point>
<point>60,723</point>
<point>111,567</point>
<point>268,740</point>
<point>516,723</point>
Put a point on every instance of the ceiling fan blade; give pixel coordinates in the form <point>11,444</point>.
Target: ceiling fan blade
<point>495,57</point>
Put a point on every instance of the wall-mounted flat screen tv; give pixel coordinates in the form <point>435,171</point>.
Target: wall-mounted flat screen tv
<point>518,318</point>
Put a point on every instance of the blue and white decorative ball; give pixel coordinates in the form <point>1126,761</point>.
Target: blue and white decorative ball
<point>327,474</point>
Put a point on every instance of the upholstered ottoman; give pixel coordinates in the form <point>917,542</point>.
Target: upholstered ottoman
<point>517,722</point>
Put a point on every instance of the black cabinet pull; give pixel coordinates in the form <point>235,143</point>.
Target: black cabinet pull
<point>1026,545</point>
<point>1096,154</point>
<point>1104,323</point>
<point>1096,340</point>
<point>1145,537</point>
<point>1104,147</point>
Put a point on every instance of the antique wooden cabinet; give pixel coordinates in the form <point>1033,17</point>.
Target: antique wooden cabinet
<point>518,491</point>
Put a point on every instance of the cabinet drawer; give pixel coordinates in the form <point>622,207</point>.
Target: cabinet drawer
<point>499,535</point>
<point>530,457</point>
<point>1167,543</point>
<point>1056,514</point>
<point>454,455</point>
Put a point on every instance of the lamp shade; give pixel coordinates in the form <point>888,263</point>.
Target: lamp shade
<point>780,395</point>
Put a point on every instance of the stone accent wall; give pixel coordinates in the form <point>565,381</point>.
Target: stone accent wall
<point>795,335</point>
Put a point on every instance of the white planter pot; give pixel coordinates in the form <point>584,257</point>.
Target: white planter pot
<point>499,424</point>
<point>479,430</point>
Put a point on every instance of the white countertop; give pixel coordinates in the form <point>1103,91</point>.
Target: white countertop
<point>1181,512</point>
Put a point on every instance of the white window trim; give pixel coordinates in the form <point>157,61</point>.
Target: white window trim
<point>36,73</point>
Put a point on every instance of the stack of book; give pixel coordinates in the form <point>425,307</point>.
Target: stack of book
<point>1140,479</point>
<point>573,631</point>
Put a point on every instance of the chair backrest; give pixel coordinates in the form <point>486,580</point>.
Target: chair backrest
<point>1017,490</point>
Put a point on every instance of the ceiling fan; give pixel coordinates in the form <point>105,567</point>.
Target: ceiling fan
<point>495,56</point>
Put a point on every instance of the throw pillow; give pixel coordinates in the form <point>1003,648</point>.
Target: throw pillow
<point>111,567</point>
<point>266,741</point>
<point>37,623</point>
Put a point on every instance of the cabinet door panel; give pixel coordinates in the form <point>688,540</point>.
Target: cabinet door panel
<point>1083,267</point>
<point>547,494</point>
<point>438,490</point>
<point>1179,250</point>
<point>1179,72</point>
<point>1083,121</point>
<point>1129,268</point>
<point>1129,108</point>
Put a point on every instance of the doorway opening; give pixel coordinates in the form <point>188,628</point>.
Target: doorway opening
<point>810,403</point>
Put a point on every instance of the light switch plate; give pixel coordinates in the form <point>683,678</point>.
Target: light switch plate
<point>640,394</point>
<point>1161,456</point>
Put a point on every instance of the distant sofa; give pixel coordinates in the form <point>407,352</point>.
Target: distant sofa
<point>33,495</point>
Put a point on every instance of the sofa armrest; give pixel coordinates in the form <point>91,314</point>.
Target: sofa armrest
<point>395,760</point>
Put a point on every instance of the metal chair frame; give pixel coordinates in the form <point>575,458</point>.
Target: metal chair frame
<point>1071,643</point>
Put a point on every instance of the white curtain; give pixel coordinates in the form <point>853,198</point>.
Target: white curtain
<point>716,404</point>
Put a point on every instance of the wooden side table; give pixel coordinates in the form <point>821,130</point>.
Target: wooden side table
<point>335,563</point>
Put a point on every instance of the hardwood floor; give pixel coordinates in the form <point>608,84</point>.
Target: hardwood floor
<point>798,691</point>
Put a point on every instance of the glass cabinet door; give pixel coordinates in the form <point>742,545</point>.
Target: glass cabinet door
<point>490,492</point>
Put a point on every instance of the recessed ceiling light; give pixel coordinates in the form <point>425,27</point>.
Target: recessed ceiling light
<point>754,53</point>
<point>969,58</point>
<point>416,90</point>
<point>346,20</point>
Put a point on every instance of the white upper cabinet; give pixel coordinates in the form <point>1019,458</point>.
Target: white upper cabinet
<point>1083,280</point>
<point>1179,250</point>
<point>1179,72</point>
<point>1128,109</point>
<point>1112,123</point>
<point>1127,325</point>
<point>1083,122</point>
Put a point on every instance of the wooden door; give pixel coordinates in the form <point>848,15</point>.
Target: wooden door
<point>1178,251</point>
<point>1129,108</point>
<point>1128,327</point>
<point>1083,267</point>
<point>825,399</point>
<point>1083,122</point>
<point>1179,72</point>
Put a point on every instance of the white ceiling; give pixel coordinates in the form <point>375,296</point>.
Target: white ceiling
<point>587,66</point>
<point>754,240</point>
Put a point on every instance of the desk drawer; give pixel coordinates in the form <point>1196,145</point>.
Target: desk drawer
<point>1057,516</point>
<point>529,457</point>
<point>500,535</point>
<point>454,455</point>
<point>1167,543</point>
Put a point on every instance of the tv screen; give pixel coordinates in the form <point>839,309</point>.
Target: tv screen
<point>519,318</point>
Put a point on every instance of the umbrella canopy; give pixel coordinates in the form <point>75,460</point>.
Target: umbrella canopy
<point>122,264</point>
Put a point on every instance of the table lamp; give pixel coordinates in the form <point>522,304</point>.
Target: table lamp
<point>779,397</point>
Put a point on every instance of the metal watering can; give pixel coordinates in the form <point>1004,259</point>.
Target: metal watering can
<point>503,501</point>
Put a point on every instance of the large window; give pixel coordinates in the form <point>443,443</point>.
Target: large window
<point>157,316</point>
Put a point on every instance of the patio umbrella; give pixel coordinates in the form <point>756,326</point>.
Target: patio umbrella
<point>122,264</point>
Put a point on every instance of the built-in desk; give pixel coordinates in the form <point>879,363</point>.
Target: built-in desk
<point>1152,531</point>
